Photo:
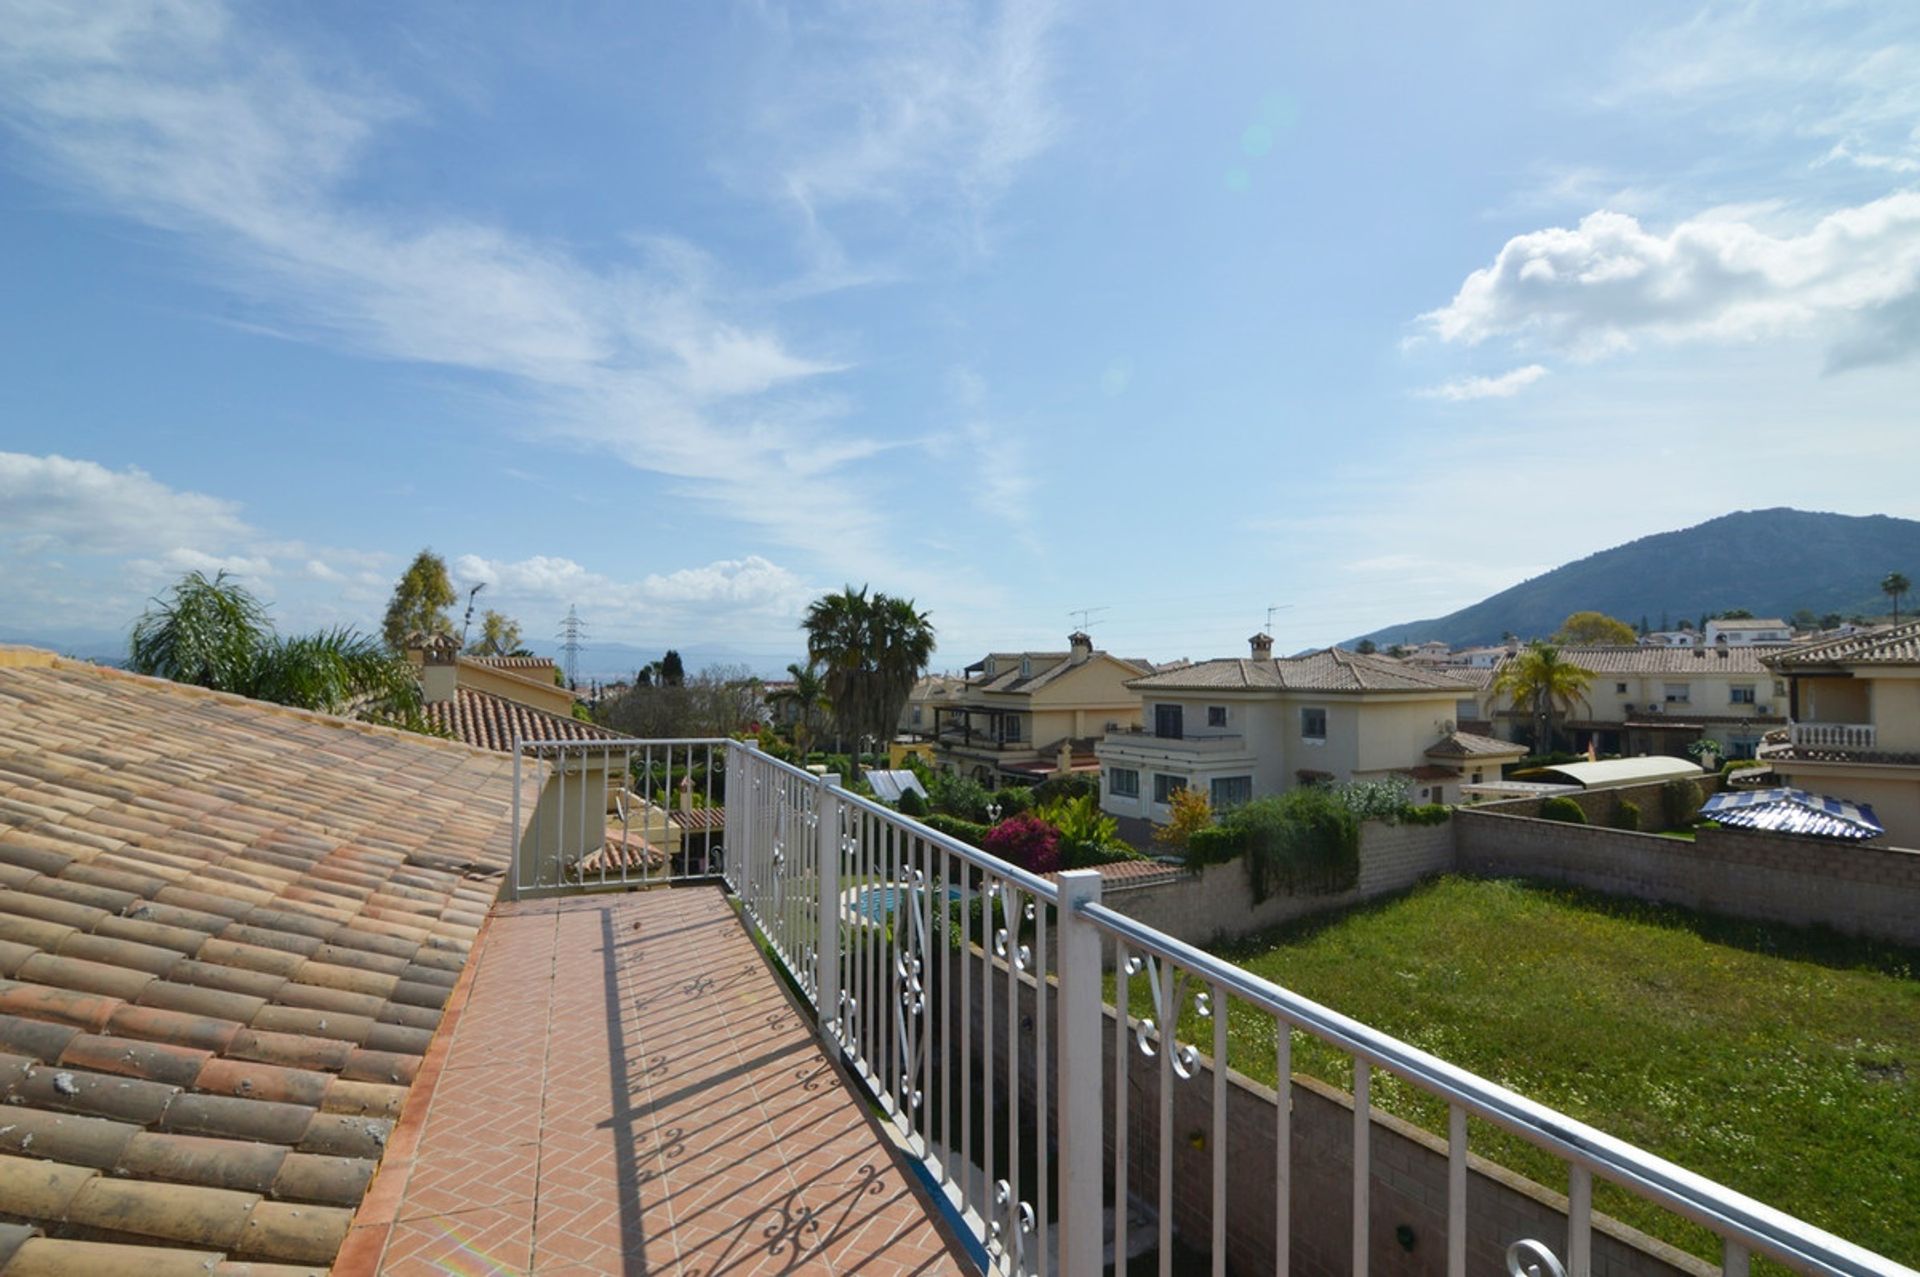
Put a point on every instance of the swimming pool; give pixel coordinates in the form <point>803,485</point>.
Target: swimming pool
<point>875,903</point>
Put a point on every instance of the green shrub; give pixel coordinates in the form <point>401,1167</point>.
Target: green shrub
<point>1215,845</point>
<point>970,832</point>
<point>1427,814</point>
<point>1306,842</point>
<point>962,797</point>
<point>1084,828</point>
<point>1072,785</point>
<point>912,804</point>
<point>1013,799</point>
<point>1562,809</point>
<point>1680,801</point>
<point>1625,815</point>
<point>1733,765</point>
<point>1375,799</point>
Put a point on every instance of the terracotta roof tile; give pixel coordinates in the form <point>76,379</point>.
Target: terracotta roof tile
<point>225,933</point>
<point>492,722</point>
<point>1891,645</point>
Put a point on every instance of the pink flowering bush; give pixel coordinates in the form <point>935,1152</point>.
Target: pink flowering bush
<point>1027,841</point>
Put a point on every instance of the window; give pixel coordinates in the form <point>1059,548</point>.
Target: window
<point>1123,782</point>
<point>1230,791</point>
<point>1619,689</point>
<point>1169,722</point>
<point>1313,724</point>
<point>1165,786</point>
<point>1010,728</point>
<point>1216,716</point>
<point>1026,667</point>
<point>916,716</point>
<point>1779,687</point>
<point>1743,694</point>
<point>1675,693</point>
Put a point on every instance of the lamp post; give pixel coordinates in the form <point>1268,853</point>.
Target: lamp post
<point>993,814</point>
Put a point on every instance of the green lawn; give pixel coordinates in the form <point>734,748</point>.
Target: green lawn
<point>1783,1063</point>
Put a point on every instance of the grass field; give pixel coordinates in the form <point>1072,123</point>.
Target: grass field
<point>1783,1063</point>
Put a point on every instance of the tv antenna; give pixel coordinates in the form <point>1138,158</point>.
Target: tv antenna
<point>572,630</point>
<point>466,622</point>
<point>1085,615</point>
<point>1271,609</point>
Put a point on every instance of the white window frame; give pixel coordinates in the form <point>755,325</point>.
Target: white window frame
<point>1216,716</point>
<point>1132,787</point>
<point>1163,794</point>
<point>1743,694</point>
<point>1213,791</point>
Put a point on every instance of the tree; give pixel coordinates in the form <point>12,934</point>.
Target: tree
<point>719,701</point>
<point>1804,619</point>
<point>1893,585</point>
<point>870,649</point>
<point>215,634</point>
<point>1188,811</point>
<point>1540,681</point>
<point>808,696</point>
<point>1736,614</point>
<point>420,601</point>
<point>1832,621</point>
<point>672,672</point>
<point>1592,629</point>
<point>1366,647</point>
<point>499,636</point>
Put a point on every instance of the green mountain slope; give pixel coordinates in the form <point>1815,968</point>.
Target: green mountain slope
<point>1770,562</point>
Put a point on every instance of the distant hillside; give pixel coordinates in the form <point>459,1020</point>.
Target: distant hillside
<point>1770,562</point>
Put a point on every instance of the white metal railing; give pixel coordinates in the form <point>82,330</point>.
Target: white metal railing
<point>615,813</point>
<point>1833,735</point>
<point>966,995</point>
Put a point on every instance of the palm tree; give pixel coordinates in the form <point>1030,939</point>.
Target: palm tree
<point>1893,587</point>
<point>215,634</point>
<point>871,649</point>
<point>808,696</point>
<point>1539,680</point>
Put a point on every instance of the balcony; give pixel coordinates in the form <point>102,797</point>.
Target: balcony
<point>1832,735</point>
<point>1145,740</point>
<point>631,1083</point>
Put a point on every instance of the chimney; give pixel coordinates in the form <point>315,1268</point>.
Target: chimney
<point>438,656</point>
<point>1262,645</point>
<point>1080,645</point>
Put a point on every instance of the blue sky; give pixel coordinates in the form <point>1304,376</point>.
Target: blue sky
<point>683,314</point>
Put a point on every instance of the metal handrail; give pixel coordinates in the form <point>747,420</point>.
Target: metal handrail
<point>1726,1212</point>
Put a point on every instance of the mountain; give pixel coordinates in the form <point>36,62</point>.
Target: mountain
<point>1770,562</point>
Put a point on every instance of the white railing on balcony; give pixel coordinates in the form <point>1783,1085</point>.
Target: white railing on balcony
<point>1833,735</point>
<point>966,995</point>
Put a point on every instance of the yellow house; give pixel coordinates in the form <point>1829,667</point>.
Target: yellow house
<point>488,701</point>
<point>1659,700</point>
<point>1239,729</point>
<point>1855,731</point>
<point>1019,717</point>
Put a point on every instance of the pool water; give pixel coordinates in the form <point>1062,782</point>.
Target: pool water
<point>876,903</point>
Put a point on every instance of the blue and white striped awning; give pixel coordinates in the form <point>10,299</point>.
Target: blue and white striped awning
<point>1793,811</point>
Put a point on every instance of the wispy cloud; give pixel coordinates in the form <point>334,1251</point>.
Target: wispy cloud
<point>1504,386</point>
<point>55,505</point>
<point>180,114</point>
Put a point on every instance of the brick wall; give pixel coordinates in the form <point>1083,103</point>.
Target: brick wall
<point>1408,1184</point>
<point>1215,902</point>
<point>1866,890</point>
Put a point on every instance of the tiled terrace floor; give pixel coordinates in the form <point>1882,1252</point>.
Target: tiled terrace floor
<point>628,1090</point>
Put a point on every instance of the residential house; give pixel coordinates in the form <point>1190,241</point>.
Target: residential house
<point>490,701</point>
<point>1019,717</point>
<point>1670,638</point>
<point>1660,700</point>
<point>1854,705</point>
<point>1743,632</point>
<point>930,692</point>
<point>1238,729</point>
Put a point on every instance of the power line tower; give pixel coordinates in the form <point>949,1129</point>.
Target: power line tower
<point>572,630</point>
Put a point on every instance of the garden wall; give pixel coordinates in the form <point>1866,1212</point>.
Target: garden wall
<point>1215,902</point>
<point>1598,804</point>
<point>1866,890</point>
<point>1408,1185</point>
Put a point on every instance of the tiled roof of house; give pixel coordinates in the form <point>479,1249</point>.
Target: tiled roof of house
<point>514,662</point>
<point>1729,658</point>
<point>1331,670</point>
<point>227,931</point>
<point>1893,645</point>
<point>1049,666</point>
<point>491,722</point>
<point>1469,745</point>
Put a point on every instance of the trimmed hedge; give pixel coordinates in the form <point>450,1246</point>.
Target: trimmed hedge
<point>1625,815</point>
<point>1426,814</point>
<point>1733,765</point>
<point>1215,845</point>
<point>1562,809</point>
<point>1680,802</point>
<point>967,831</point>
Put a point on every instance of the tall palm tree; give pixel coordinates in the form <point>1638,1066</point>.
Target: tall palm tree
<point>1893,586</point>
<point>1538,680</point>
<point>870,649</point>
<point>214,633</point>
<point>808,696</point>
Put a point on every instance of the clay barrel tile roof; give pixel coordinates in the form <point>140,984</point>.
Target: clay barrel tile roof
<point>227,930</point>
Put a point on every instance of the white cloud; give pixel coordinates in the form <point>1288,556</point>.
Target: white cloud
<point>51,504</point>
<point>743,592</point>
<point>1609,283</point>
<point>1504,386</point>
<point>179,114</point>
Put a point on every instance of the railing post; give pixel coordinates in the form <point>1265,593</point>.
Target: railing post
<point>826,855</point>
<point>740,823</point>
<point>517,834</point>
<point>1079,1070</point>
